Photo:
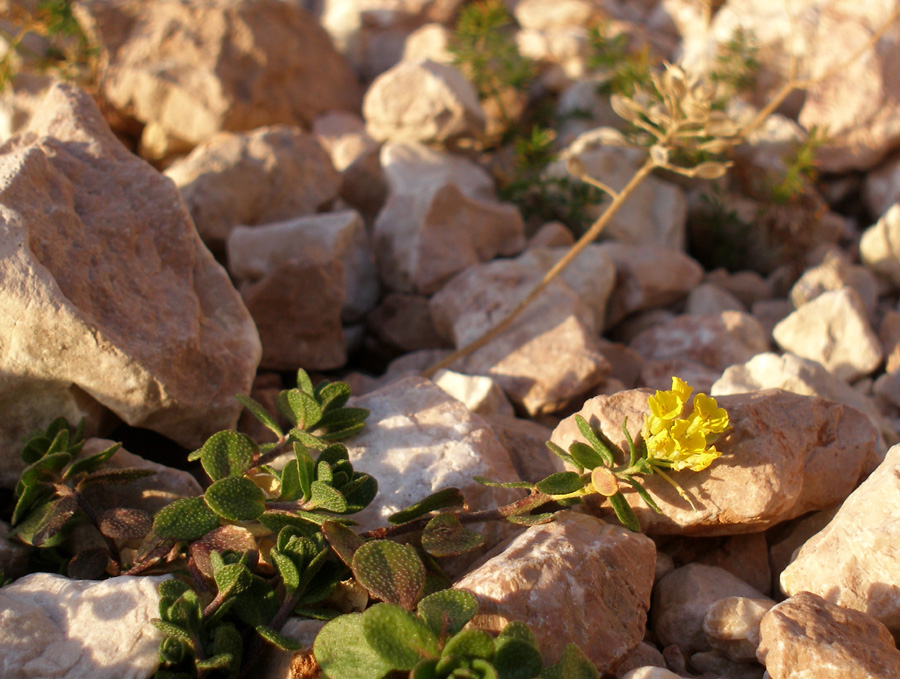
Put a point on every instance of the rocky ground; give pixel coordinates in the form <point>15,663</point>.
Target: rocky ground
<point>257,186</point>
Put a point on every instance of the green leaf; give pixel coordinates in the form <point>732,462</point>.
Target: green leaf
<point>46,466</point>
<point>227,640</point>
<point>275,520</point>
<point>307,439</point>
<point>470,643</point>
<point>287,569</point>
<point>518,630</point>
<point>333,454</point>
<point>448,497</point>
<point>327,498</point>
<point>594,439</point>
<point>232,579</point>
<point>398,636</point>
<point>333,395</point>
<point>236,498</point>
<point>572,665</point>
<point>341,650</point>
<point>29,498</point>
<point>343,541</point>
<point>496,484</point>
<point>586,456</point>
<point>624,512</point>
<point>323,472</point>
<point>114,477</point>
<point>390,571</point>
<point>561,483</point>
<point>359,492</point>
<point>304,383</point>
<point>60,442</point>
<point>257,604</point>
<point>531,519</point>
<point>305,468</point>
<point>279,640</point>
<point>216,662</point>
<point>227,453</point>
<point>171,630</point>
<point>34,521</point>
<point>301,408</point>
<point>337,434</point>
<point>446,612</point>
<point>516,658</point>
<point>445,535</point>
<point>92,463</point>
<point>645,496</point>
<point>172,589</point>
<point>290,483</point>
<point>53,521</point>
<point>563,455</point>
<point>259,412</point>
<point>186,519</point>
<point>342,419</point>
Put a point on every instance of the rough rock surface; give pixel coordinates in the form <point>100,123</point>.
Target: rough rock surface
<point>854,561</point>
<point>879,247</point>
<point>418,440</point>
<point>784,456</point>
<point>194,69</point>
<point>731,626</point>
<point>116,300</point>
<point>717,341</point>
<point>834,330</point>
<point>547,356</point>
<point>52,627</point>
<point>426,102</point>
<point>807,636</point>
<point>267,175</point>
<point>575,579</point>
<point>254,252</point>
<point>682,599</point>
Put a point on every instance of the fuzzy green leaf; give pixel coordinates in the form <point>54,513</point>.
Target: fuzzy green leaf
<point>333,454</point>
<point>586,456</point>
<point>307,439</point>
<point>561,483</point>
<point>35,520</point>
<point>279,640</point>
<point>227,453</point>
<point>304,382</point>
<point>236,498</point>
<point>446,612</point>
<point>470,643</point>
<point>625,513</point>
<point>448,497</point>
<point>30,497</point>
<point>445,535</point>
<point>327,498</point>
<point>185,519</point>
<point>343,541</point>
<point>340,433</point>
<point>232,579</point>
<point>114,477</point>
<point>259,412</point>
<point>516,658</point>
<point>359,492</point>
<point>227,640</point>
<point>332,395</point>
<point>275,520</point>
<point>61,511</point>
<point>398,636</point>
<point>171,630</point>
<point>497,484</point>
<point>300,408</point>
<point>172,589</point>
<point>323,472</point>
<point>257,604</point>
<point>531,519</point>
<point>563,455</point>
<point>572,665</point>
<point>342,419</point>
<point>216,662</point>
<point>341,650</point>
<point>305,468</point>
<point>290,483</point>
<point>518,630</point>
<point>46,466</point>
<point>390,571</point>
<point>91,464</point>
<point>594,439</point>
<point>290,574</point>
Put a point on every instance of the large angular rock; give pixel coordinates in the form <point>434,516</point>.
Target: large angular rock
<point>255,252</point>
<point>879,247</point>
<point>859,104</point>
<point>804,376</point>
<point>547,357</point>
<point>854,561</point>
<point>422,239</point>
<point>785,455</point>
<point>576,579</point>
<point>648,276</point>
<point>267,175</point>
<point>731,626</point>
<point>111,297</point>
<point>52,627</point>
<point>834,273</point>
<point>418,440</point>
<point>807,636</point>
<point>195,69</point>
<point>411,167</point>
<point>426,102</point>
<point>834,330</point>
<point>717,340</point>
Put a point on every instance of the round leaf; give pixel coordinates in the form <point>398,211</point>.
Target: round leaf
<point>471,643</point>
<point>398,636</point>
<point>516,658</point>
<point>343,653</point>
<point>561,483</point>
<point>444,535</point>
<point>390,571</point>
<point>123,523</point>
<point>227,453</point>
<point>186,519</point>
<point>446,612</point>
<point>236,499</point>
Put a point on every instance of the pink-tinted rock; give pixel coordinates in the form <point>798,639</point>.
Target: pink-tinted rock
<point>576,579</point>
<point>404,321</point>
<point>111,297</point>
<point>198,68</point>
<point>784,456</point>
<point>526,443</point>
<point>808,636</point>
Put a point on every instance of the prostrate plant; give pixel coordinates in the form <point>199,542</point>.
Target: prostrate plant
<point>51,500</point>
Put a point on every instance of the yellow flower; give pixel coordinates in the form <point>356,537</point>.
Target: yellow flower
<point>683,442</point>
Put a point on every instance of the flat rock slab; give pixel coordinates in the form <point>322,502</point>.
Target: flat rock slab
<point>855,560</point>
<point>55,628</point>
<point>785,455</point>
<point>807,636</point>
<point>109,296</point>
<point>576,579</point>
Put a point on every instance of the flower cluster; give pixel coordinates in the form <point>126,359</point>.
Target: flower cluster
<point>683,442</point>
